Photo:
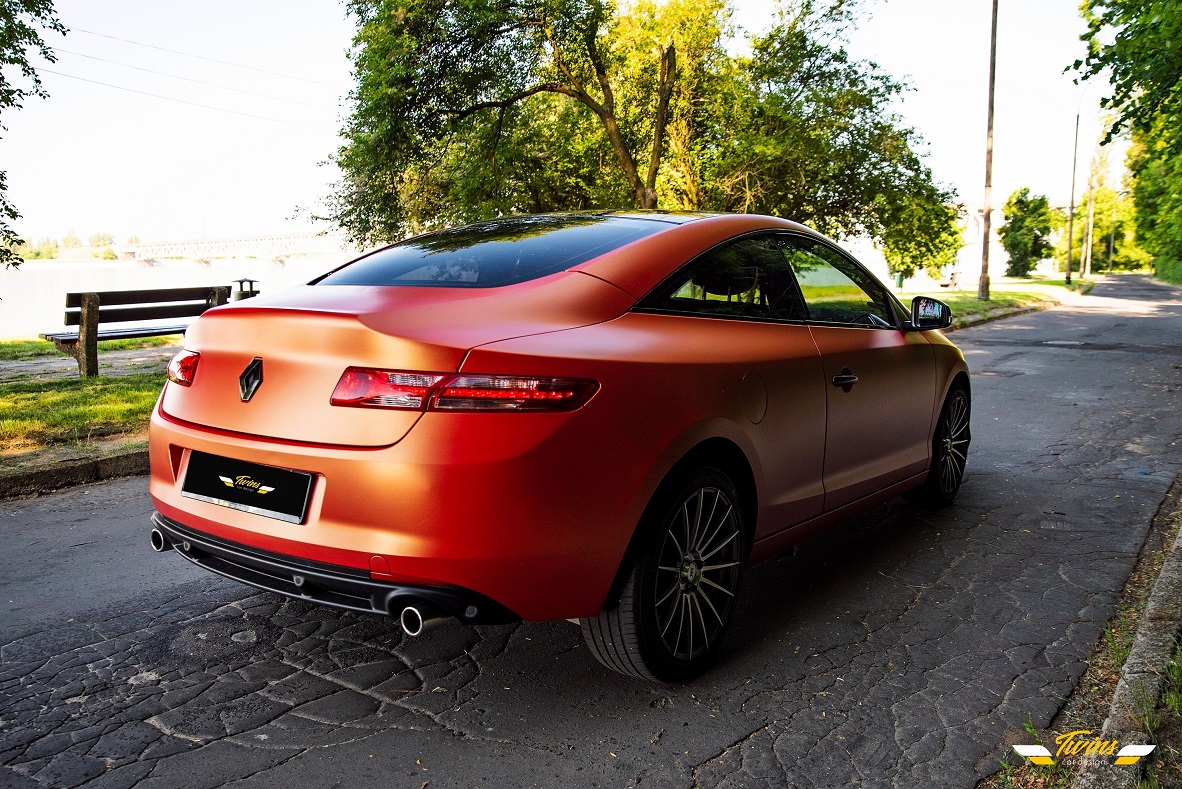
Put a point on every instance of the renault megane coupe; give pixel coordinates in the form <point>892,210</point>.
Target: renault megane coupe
<point>603,417</point>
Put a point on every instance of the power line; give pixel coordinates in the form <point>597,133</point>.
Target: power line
<point>203,57</point>
<point>188,79</point>
<point>183,101</point>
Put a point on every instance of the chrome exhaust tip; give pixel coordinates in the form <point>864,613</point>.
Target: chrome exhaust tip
<point>160,543</point>
<point>412,621</point>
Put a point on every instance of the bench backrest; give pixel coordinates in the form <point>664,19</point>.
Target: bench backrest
<point>162,303</point>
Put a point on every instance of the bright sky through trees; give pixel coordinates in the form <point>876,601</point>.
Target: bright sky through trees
<point>165,154</point>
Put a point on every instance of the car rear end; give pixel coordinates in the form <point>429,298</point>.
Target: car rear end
<point>328,443</point>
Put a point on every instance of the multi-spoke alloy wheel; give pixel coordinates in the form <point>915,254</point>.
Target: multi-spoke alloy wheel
<point>679,595</point>
<point>950,447</point>
<point>698,574</point>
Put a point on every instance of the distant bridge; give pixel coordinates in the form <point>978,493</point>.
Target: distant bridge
<point>257,246</point>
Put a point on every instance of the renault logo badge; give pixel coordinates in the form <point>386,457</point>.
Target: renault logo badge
<point>251,379</point>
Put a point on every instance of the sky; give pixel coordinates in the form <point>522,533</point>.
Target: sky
<point>108,158</point>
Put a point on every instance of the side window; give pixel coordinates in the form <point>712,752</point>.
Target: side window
<point>746,279</point>
<point>835,289</point>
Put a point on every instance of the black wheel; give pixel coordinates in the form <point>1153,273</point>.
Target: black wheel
<point>950,448</point>
<point>679,596</point>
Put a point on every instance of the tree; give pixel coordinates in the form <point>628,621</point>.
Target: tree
<point>101,240</point>
<point>1136,41</point>
<point>1026,232</point>
<point>21,22</point>
<point>925,235</point>
<point>475,109</point>
<point>1157,195</point>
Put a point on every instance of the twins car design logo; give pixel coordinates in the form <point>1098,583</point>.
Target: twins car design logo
<point>1073,744</point>
<point>244,482</point>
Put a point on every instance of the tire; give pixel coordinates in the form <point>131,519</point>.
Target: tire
<point>950,448</point>
<point>679,594</point>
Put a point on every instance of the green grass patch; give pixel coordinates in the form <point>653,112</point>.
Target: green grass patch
<point>965,304</point>
<point>48,413</point>
<point>24,350</point>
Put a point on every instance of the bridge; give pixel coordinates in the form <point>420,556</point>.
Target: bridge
<point>274,246</point>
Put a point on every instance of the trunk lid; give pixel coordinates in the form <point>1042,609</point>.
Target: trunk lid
<point>307,336</point>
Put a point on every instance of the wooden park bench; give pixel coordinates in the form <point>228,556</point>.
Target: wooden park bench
<point>88,310</point>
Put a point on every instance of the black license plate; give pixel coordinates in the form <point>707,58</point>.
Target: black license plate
<point>263,490</point>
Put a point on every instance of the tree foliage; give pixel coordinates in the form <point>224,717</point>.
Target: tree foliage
<point>21,25</point>
<point>471,109</point>
<point>1026,232</point>
<point>1157,195</point>
<point>1137,42</point>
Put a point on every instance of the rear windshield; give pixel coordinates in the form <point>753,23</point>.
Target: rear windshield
<point>497,252</point>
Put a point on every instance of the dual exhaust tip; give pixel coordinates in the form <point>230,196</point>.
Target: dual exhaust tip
<point>415,619</point>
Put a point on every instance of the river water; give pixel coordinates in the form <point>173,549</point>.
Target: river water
<point>34,295</point>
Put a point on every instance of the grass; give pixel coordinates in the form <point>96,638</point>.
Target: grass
<point>1165,763</point>
<point>50,413</point>
<point>965,304</point>
<point>24,350</point>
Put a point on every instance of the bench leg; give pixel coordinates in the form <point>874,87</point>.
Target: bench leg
<point>86,351</point>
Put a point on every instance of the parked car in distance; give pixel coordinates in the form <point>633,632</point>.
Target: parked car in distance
<point>601,416</point>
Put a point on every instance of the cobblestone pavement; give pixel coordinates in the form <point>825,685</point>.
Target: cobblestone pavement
<point>900,649</point>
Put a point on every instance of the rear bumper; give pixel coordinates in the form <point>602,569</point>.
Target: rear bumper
<point>533,511</point>
<point>326,584</point>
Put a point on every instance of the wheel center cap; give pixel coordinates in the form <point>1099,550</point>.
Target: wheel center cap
<point>690,572</point>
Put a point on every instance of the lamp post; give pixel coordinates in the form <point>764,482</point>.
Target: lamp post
<point>983,283</point>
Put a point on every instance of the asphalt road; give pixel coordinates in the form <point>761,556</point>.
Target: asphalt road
<point>900,649</point>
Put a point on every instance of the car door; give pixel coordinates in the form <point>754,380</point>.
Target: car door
<point>879,379</point>
<point>739,308</point>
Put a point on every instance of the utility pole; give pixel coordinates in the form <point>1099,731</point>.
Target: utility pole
<point>1071,208</point>
<point>983,284</point>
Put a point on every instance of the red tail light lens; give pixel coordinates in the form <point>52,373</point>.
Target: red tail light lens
<point>512,393</point>
<point>384,388</point>
<point>368,388</point>
<point>183,367</point>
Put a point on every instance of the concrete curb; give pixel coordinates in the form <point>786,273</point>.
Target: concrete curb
<point>71,473</point>
<point>1141,682</point>
<point>997,314</point>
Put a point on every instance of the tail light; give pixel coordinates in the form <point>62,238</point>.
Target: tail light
<point>442,392</point>
<point>183,367</point>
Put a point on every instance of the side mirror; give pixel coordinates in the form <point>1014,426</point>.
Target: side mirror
<point>928,313</point>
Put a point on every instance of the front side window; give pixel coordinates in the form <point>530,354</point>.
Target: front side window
<point>749,278</point>
<point>835,289</point>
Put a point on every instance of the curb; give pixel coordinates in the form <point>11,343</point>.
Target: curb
<point>71,473</point>
<point>998,314</point>
<point>1139,689</point>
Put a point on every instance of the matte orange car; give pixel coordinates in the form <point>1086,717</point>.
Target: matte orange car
<point>603,417</point>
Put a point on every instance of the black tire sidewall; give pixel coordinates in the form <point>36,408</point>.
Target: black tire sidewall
<point>654,652</point>
<point>935,490</point>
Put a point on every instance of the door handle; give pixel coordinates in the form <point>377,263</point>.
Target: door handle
<point>845,379</point>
